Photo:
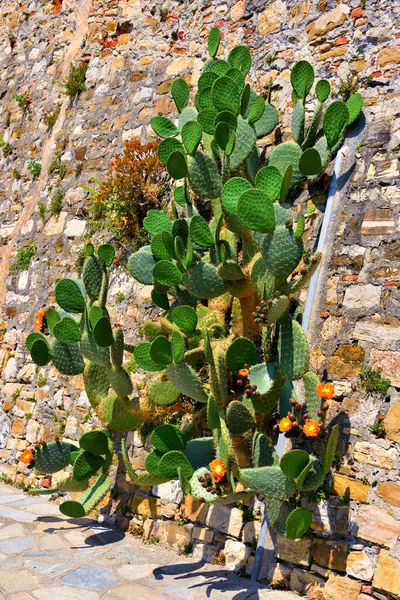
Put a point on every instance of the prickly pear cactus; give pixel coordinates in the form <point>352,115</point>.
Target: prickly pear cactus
<point>229,342</point>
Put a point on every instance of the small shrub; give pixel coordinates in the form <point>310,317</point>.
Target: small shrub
<point>372,381</point>
<point>41,380</point>
<point>133,185</point>
<point>75,83</point>
<point>120,297</point>
<point>56,165</point>
<point>42,211</point>
<point>51,118</point>
<point>5,147</point>
<point>16,174</point>
<point>270,58</point>
<point>56,203</point>
<point>24,257</point>
<point>348,86</point>
<point>34,168</point>
<point>23,99</point>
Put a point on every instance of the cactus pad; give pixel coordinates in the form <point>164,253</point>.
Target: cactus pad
<point>330,449</point>
<point>166,438</point>
<point>180,93</point>
<point>72,509</point>
<point>161,392</point>
<point>244,144</point>
<point>241,351</point>
<point>323,90</point>
<point>354,106</point>
<point>284,155</point>
<point>298,523</point>
<point>200,232</point>
<point>67,358</point>
<point>293,349</point>
<point>177,165</point>
<point>293,462</point>
<point>214,38</point>
<point>310,162</point>
<point>185,317</point>
<point>53,457</point>
<point>200,452</point>
<point>143,358</point>
<point>269,180</point>
<point>167,147</point>
<point>313,401</point>
<point>204,176</point>
<point>335,120</point>
<point>86,465</point>
<point>232,191</point>
<point>70,295</point>
<point>184,378</point>
<point>238,418</point>
<point>268,481</point>
<point>95,442</point>
<point>269,382</point>
<point>160,350</point>
<point>67,330</point>
<point>282,252</point>
<point>256,211</point>
<point>40,350</point>
<point>92,275</point>
<point>240,58</point>
<point>164,127</point>
<point>203,281</point>
<point>302,78</point>
<point>226,95</point>
<point>191,136</point>
<point>171,461</point>
<point>119,415</point>
<point>166,273</point>
<point>141,265</point>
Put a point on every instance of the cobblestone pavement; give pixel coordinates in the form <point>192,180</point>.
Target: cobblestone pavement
<point>45,556</point>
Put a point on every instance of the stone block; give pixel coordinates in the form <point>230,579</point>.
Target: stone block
<point>225,519</point>
<point>387,575</point>
<point>374,524</point>
<point>372,454</point>
<point>272,17</point>
<point>194,510</point>
<point>294,551</point>
<point>330,554</point>
<point>237,10</point>
<point>303,581</point>
<point>389,492</point>
<point>251,531</point>
<point>328,21</point>
<point>388,362</point>
<point>203,534</point>
<point>392,423</point>
<point>390,55</point>
<point>359,566</point>
<point>341,588</point>
<point>148,506</point>
<point>362,296</point>
<point>353,488</point>
<point>343,517</point>
<point>378,222</point>
<point>236,555</point>
<point>347,361</point>
<point>381,331</point>
<point>173,534</point>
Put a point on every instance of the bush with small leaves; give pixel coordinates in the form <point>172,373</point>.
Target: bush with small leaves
<point>76,82</point>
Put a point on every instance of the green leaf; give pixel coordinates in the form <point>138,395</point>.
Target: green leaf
<point>200,232</point>
<point>226,95</point>
<point>167,147</point>
<point>67,330</point>
<point>240,58</point>
<point>214,38</point>
<point>166,273</point>
<point>106,254</point>
<point>160,350</point>
<point>185,317</point>
<point>256,211</point>
<point>177,165</point>
<point>164,127</point>
<point>298,523</point>
<point>180,93</point>
<point>191,136</point>
<point>322,90</point>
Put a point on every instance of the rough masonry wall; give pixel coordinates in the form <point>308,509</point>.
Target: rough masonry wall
<point>135,49</point>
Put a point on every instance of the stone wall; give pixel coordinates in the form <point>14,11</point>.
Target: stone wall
<point>135,49</point>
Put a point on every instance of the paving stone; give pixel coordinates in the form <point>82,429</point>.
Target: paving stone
<point>133,572</point>
<point>64,593</point>
<point>17,515</point>
<point>89,577</point>
<point>47,568</point>
<point>10,499</point>
<point>16,545</point>
<point>21,582</point>
<point>11,531</point>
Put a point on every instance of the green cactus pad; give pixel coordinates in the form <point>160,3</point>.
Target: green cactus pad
<point>202,281</point>
<point>70,295</point>
<point>141,265</point>
<point>220,67</point>
<point>278,307</point>
<point>293,462</point>
<point>191,136</point>
<point>298,120</point>
<point>180,227</point>
<point>301,224</point>
<point>310,162</point>
<point>53,457</point>
<point>178,346</point>
<point>240,58</point>
<point>354,106</point>
<point>131,472</point>
<point>97,383</point>
<point>92,275</point>
<point>52,317</point>
<point>293,352</point>
<point>204,176</point>
<point>86,465</point>
<point>95,494</point>
<point>256,110</point>
<point>168,146</point>
<point>206,80</point>
<point>184,378</point>
<point>302,78</point>
<point>256,211</point>
<point>119,415</point>
<point>93,352</point>
<point>268,121</point>
<point>238,418</point>
<point>162,246</point>
<point>237,76</point>
<point>117,349</point>
<point>330,449</point>
<point>185,317</point>
<point>198,491</point>
<point>143,359</point>
<point>95,442</point>
<point>232,191</point>
<point>313,128</point>
<point>166,273</point>
<point>206,120</point>
<point>177,165</point>
<point>225,116</point>
<point>244,144</point>
<point>268,481</point>
<point>282,252</point>
<point>102,333</point>
<point>149,480</point>
<point>323,90</point>
<point>69,484</point>
<point>164,127</point>
<point>161,392</point>
<point>335,120</point>
<point>67,358</point>
<point>39,349</point>
<point>241,351</point>
<point>286,183</point>
<point>160,350</point>
<point>180,93</point>
<point>95,313</point>
<point>314,478</point>
<point>269,382</point>
<point>203,99</point>
<point>313,401</point>
<point>225,95</point>
<point>166,438</point>
<point>153,462</point>
<point>214,38</point>
<point>200,232</point>
<point>302,476</point>
<point>72,509</point>
<point>262,451</point>
<point>298,523</point>
<point>200,452</point>
<point>213,417</point>
<point>171,461</point>
<point>188,114</point>
<point>120,381</point>
<point>106,254</point>
<point>230,270</point>
<point>269,180</point>
<point>284,155</point>
<point>160,299</point>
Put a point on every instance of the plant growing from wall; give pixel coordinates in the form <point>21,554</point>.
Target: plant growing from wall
<point>34,168</point>
<point>76,82</point>
<point>230,343</point>
<point>5,147</point>
<point>51,118</point>
<point>23,99</point>
<point>134,184</point>
<point>24,257</point>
